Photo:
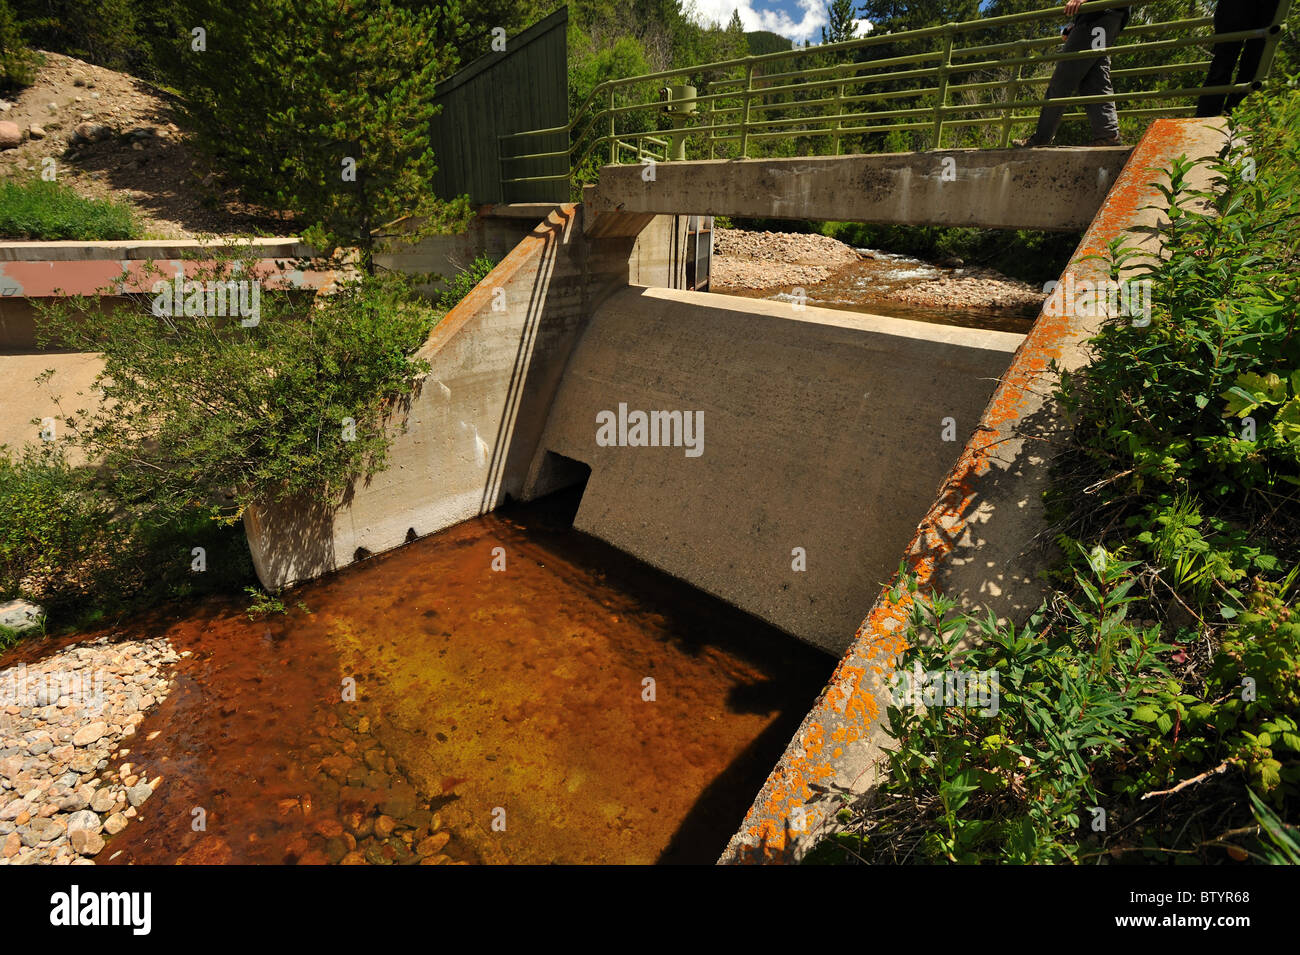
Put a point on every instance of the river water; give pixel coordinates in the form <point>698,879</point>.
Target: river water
<point>500,715</point>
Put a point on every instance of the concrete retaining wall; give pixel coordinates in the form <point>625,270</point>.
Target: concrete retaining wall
<point>469,435</point>
<point>35,272</point>
<point>822,430</point>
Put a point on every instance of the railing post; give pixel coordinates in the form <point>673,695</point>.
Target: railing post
<point>1013,90</point>
<point>709,121</point>
<point>941,99</point>
<point>839,108</point>
<point>613,143</point>
<point>744,112</point>
<point>1271,41</point>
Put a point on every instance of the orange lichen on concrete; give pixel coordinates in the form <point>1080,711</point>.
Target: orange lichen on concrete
<point>850,707</point>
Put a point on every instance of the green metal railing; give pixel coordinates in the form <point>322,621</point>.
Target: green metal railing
<point>783,103</point>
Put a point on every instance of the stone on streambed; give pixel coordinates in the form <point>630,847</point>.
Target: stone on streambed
<point>74,708</point>
<point>432,845</point>
<point>19,616</point>
<point>84,820</point>
<point>86,843</point>
<point>138,793</point>
<point>90,733</point>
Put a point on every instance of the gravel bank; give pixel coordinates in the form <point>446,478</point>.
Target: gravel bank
<point>760,260</point>
<point>778,261</point>
<point>61,720</point>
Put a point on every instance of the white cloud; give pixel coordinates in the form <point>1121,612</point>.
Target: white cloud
<point>807,27</point>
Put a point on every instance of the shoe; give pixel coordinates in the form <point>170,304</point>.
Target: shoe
<point>1029,143</point>
<point>1107,142</point>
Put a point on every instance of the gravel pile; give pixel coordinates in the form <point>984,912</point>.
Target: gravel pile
<point>61,720</point>
<point>747,261</point>
<point>756,260</point>
<point>971,288</point>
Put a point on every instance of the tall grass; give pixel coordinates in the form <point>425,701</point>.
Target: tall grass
<point>43,210</point>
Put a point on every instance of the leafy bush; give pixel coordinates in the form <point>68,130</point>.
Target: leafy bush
<point>54,531</point>
<point>66,543</point>
<point>204,412</point>
<point>463,282</point>
<point>1013,782</point>
<point>52,210</point>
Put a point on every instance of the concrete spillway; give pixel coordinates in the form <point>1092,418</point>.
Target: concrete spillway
<point>823,443</point>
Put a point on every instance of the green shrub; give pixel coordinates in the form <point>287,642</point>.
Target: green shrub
<point>54,529</point>
<point>43,210</point>
<point>463,282</point>
<point>204,412</point>
<point>1013,782</point>
<point>68,544</point>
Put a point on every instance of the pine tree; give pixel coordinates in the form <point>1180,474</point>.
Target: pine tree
<point>320,108</point>
<point>842,24</point>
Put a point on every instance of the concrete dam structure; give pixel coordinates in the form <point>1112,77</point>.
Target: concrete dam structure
<point>473,435</point>
<point>786,459</point>
<point>797,497</point>
<point>816,462</point>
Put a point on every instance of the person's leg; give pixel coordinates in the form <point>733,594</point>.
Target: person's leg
<point>1065,80</point>
<point>1257,15</point>
<point>1096,82</point>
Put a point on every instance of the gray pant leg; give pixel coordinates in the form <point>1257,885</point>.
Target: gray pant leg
<point>1090,77</point>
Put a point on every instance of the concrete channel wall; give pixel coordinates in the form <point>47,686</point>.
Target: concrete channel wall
<point>822,444</point>
<point>469,435</point>
<point>982,539</point>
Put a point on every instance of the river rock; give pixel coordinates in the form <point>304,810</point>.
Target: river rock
<point>90,733</point>
<point>85,819</point>
<point>432,845</point>
<point>137,794</point>
<point>18,615</point>
<point>86,843</point>
<point>10,137</point>
<point>115,823</point>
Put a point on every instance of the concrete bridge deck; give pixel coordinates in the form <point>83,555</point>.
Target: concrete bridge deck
<point>1052,189</point>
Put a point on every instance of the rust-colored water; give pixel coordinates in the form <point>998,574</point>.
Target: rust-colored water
<point>510,702</point>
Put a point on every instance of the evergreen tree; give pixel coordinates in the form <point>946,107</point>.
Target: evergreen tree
<point>842,23</point>
<point>318,107</point>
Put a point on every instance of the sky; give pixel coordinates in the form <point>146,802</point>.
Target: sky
<point>797,19</point>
